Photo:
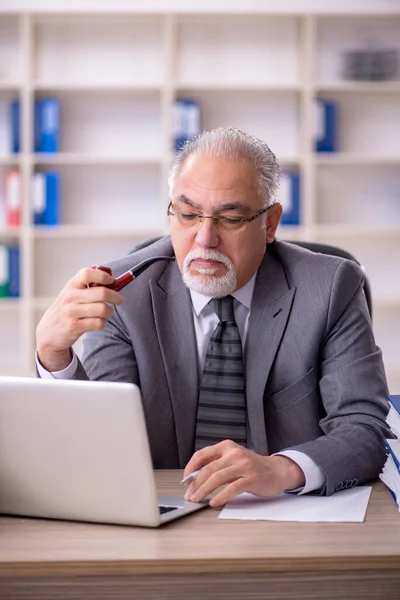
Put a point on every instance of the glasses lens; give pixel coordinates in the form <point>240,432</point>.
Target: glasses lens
<point>231,223</point>
<point>186,218</point>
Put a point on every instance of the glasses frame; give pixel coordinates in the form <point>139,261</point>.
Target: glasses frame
<point>216,218</point>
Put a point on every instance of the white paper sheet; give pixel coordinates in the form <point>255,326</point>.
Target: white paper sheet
<point>347,506</point>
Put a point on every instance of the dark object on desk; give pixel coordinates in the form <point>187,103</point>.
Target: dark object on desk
<point>314,247</point>
<point>371,65</point>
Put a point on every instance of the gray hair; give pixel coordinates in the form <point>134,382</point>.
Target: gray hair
<point>233,144</point>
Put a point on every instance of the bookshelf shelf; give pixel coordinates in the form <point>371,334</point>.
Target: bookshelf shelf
<point>251,50</point>
<point>8,305</point>
<point>9,161</point>
<point>387,303</point>
<point>9,86</point>
<point>81,232</point>
<point>350,87</point>
<point>121,46</point>
<point>293,232</point>
<point>347,159</point>
<point>58,87</point>
<point>10,235</point>
<point>255,112</point>
<point>237,87</point>
<point>259,71</point>
<point>77,159</point>
<point>349,231</point>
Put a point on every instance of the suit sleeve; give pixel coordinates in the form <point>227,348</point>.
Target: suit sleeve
<point>353,389</point>
<point>108,354</point>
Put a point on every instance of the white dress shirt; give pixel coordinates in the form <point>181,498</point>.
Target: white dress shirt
<point>205,322</point>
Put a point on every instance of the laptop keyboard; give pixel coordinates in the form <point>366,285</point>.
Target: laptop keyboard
<point>165,509</point>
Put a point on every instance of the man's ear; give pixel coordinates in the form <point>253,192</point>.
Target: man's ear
<point>273,217</point>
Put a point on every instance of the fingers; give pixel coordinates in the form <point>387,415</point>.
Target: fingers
<point>74,295</point>
<point>230,491</point>
<point>240,470</point>
<point>208,454</point>
<point>89,324</point>
<point>211,478</point>
<point>84,310</point>
<point>77,310</point>
<point>87,276</point>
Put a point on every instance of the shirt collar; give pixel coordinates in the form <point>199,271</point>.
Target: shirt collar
<point>244,296</point>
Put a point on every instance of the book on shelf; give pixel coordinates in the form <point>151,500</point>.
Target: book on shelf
<point>46,198</point>
<point>12,198</point>
<point>15,135</point>
<point>187,121</point>
<point>47,125</point>
<point>9,271</point>
<point>3,271</point>
<point>13,272</point>
<point>326,125</point>
<point>289,197</point>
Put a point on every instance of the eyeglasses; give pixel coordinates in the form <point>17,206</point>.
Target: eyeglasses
<point>188,219</point>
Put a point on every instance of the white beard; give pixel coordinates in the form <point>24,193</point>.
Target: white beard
<point>204,282</point>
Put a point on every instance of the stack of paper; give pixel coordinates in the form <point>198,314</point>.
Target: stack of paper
<point>391,471</point>
<point>393,417</point>
<point>347,506</point>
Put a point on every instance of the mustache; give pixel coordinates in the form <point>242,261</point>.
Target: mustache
<point>207,254</point>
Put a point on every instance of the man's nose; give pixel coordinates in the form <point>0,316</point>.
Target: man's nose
<point>207,235</point>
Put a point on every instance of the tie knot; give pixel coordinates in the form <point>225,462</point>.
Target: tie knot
<point>224,308</point>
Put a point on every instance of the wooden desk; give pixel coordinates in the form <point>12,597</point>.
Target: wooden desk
<point>202,557</point>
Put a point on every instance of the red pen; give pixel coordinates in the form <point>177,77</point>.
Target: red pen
<point>123,280</point>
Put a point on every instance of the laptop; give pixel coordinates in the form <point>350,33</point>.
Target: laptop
<point>78,450</point>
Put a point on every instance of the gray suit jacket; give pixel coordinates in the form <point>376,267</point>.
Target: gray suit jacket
<point>315,381</point>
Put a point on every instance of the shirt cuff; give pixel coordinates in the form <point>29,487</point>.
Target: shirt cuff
<point>315,478</point>
<point>67,373</point>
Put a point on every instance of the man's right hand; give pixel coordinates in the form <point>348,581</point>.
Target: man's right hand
<point>76,310</point>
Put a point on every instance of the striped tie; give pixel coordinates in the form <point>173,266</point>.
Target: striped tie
<point>221,412</point>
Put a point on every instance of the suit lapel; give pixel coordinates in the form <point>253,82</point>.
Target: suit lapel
<point>271,305</point>
<point>172,309</point>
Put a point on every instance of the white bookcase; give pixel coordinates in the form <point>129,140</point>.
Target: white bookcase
<point>117,76</point>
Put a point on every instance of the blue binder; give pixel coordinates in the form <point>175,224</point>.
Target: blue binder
<point>179,133</point>
<point>290,198</point>
<point>15,129</point>
<point>392,453</point>
<point>326,137</point>
<point>187,121</point>
<point>14,271</point>
<point>46,201</point>
<point>47,125</point>
<point>394,399</point>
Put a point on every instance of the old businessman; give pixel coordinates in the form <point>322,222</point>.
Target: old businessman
<point>255,358</point>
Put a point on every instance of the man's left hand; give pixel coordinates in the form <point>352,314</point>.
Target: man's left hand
<point>240,470</point>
